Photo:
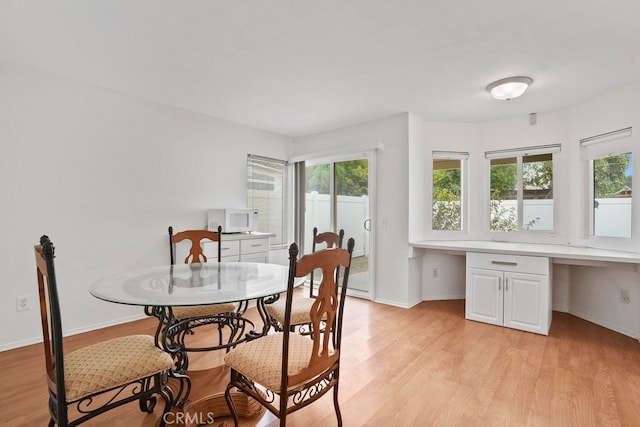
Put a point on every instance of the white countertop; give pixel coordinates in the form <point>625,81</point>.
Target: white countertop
<point>558,252</point>
<point>245,236</point>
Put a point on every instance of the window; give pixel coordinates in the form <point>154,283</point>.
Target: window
<point>610,178</point>
<point>267,191</point>
<point>521,188</point>
<point>447,191</point>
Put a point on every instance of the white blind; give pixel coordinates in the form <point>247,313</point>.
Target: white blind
<point>524,151</point>
<point>606,144</point>
<point>459,155</point>
<point>267,191</point>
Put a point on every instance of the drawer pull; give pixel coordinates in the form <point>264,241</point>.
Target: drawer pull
<point>256,245</point>
<point>504,263</point>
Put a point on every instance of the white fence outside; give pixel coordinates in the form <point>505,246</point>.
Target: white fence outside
<point>352,212</point>
<point>612,217</point>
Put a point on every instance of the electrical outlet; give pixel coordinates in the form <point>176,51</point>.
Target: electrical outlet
<point>625,296</point>
<point>22,304</point>
<point>434,273</point>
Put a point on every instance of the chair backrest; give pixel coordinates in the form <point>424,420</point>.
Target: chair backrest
<point>332,240</point>
<point>51,325</point>
<point>327,309</point>
<point>195,237</point>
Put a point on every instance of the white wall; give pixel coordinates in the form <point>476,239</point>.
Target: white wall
<point>589,292</point>
<point>391,243</point>
<point>104,175</point>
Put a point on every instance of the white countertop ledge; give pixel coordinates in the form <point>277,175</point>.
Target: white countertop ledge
<point>559,253</point>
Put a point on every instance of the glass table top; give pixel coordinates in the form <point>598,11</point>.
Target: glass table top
<point>194,284</point>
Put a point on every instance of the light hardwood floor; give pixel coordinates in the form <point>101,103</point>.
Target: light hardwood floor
<point>417,367</point>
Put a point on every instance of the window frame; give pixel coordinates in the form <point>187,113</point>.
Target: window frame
<point>599,147</point>
<point>519,154</point>
<point>284,222</point>
<point>463,156</point>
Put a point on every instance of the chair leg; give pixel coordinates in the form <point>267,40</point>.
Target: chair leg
<point>336,405</point>
<point>167,394</point>
<point>230,404</point>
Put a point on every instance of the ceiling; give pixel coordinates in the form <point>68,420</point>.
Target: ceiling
<point>297,67</point>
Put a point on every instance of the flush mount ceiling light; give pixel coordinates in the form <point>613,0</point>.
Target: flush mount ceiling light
<point>509,88</point>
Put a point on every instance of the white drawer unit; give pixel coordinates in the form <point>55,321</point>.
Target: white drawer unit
<point>254,250</point>
<point>509,290</point>
<point>240,247</point>
<point>229,250</point>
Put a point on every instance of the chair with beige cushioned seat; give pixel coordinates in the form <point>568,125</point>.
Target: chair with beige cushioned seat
<point>301,305</point>
<point>94,379</point>
<point>184,319</point>
<point>285,371</point>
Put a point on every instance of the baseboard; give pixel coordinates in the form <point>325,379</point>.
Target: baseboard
<point>74,331</point>
<point>442,297</point>
<point>20,343</point>
<point>605,324</point>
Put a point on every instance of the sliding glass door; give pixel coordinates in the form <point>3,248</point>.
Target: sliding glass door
<point>337,196</point>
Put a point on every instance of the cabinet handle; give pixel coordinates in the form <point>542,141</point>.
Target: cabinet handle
<point>506,284</point>
<point>256,245</point>
<point>504,263</point>
<point>499,283</point>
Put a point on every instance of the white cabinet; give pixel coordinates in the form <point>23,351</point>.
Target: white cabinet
<point>254,250</point>
<point>229,250</point>
<point>509,290</point>
<point>245,247</point>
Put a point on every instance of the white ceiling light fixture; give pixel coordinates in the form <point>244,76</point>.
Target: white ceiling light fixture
<point>509,88</point>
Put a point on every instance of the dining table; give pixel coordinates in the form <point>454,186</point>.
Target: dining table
<point>160,288</point>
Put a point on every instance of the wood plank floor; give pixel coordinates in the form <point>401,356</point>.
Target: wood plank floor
<point>418,367</point>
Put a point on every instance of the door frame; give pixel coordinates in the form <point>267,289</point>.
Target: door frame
<point>370,155</point>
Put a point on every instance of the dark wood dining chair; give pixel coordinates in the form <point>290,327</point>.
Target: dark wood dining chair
<point>184,320</point>
<point>101,376</point>
<point>301,305</point>
<point>285,371</point>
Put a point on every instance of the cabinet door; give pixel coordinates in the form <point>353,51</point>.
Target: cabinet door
<point>229,250</point>
<point>257,257</point>
<point>254,250</point>
<point>526,302</point>
<point>484,296</point>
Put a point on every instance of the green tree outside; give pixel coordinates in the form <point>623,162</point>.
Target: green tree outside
<point>609,175</point>
<point>353,178</point>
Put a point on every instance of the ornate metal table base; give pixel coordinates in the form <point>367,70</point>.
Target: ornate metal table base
<point>211,407</point>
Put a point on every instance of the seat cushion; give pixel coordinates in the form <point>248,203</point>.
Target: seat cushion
<point>112,363</point>
<point>300,308</point>
<point>184,312</point>
<point>261,359</point>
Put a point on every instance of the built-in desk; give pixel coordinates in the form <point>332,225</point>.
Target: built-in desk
<point>511,284</point>
<point>559,254</point>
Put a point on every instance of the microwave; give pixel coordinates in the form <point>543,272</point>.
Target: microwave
<point>233,220</point>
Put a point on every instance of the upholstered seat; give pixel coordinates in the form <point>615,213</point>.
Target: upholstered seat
<point>184,312</point>
<point>112,363</point>
<point>286,371</point>
<point>99,377</point>
<point>302,305</point>
<point>179,322</point>
<point>268,351</point>
<point>299,311</point>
